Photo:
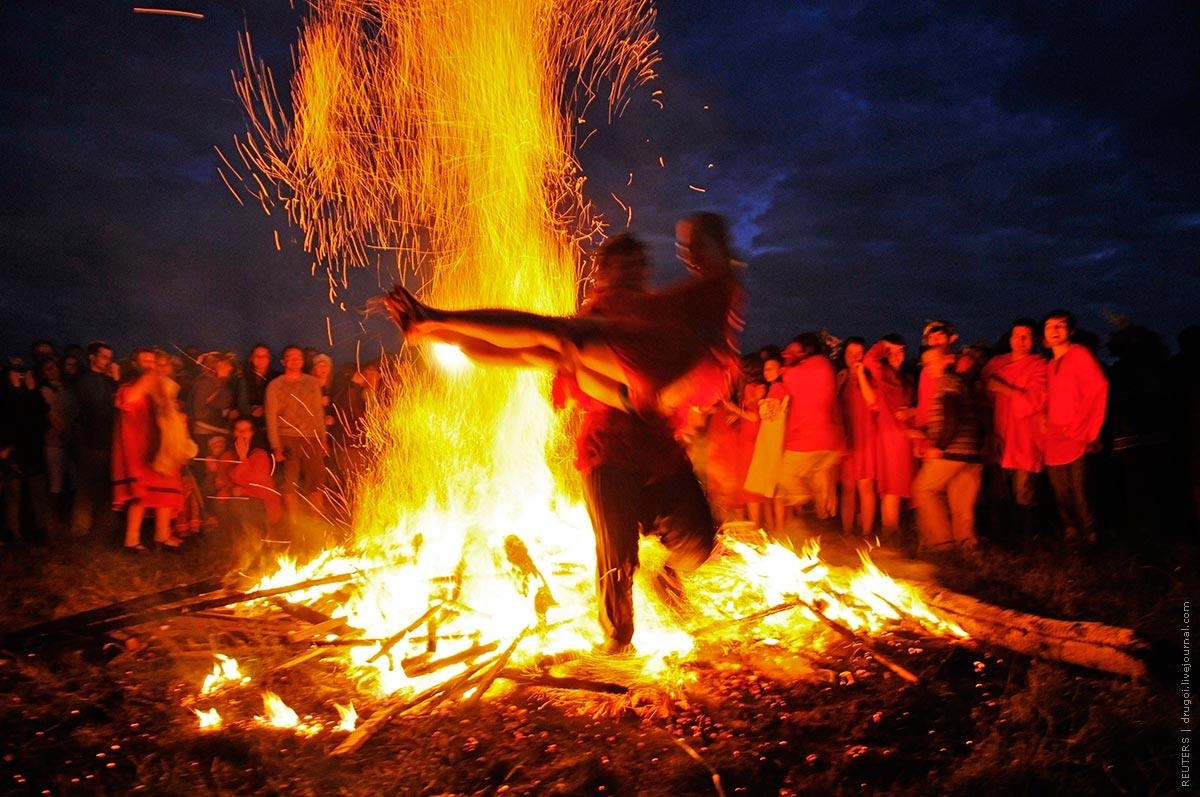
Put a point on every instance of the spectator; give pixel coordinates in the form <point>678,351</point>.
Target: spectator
<point>952,466</point>
<point>350,407</point>
<point>894,464</point>
<point>1076,398</point>
<point>22,456</point>
<point>42,350</point>
<point>1016,384</point>
<point>150,448</point>
<point>252,390</point>
<point>70,369</point>
<point>939,335</point>
<point>769,415</point>
<point>60,406</point>
<point>95,390</point>
<point>813,440</point>
<point>322,370</point>
<point>296,431</point>
<point>247,474</point>
<point>859,407</point>
<point>211,408</point>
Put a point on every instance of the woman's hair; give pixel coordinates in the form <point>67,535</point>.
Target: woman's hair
<point>894,339</point>
<point>841,355</point>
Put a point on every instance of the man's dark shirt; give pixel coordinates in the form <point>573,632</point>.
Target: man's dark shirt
<point>95,393</point>
<point>251,393</point>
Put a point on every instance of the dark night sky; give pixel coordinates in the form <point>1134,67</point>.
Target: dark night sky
<point>882,163</point>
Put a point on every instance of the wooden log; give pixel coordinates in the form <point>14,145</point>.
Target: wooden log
<point>206,602</point>
<point>750,619</point>
<point>395,638</point>
<point>330,626</point>
<point>880,657</point>
<point>493,672</point>
<point>422,665</point>
<point>562,682</point>
<point>1106,648</point>
<point>359,736</point>
<point>301,612</point>
<point>84,618</point>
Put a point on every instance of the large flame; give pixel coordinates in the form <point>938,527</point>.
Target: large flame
<point>436,139</point>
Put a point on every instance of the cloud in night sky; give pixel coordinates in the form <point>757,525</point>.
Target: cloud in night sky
<point>881,163</point>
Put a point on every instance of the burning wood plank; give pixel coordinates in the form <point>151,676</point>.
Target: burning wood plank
<point>1111,649</point>
<point>359,736</point>
<point>853,637</point>
<point>422,665</point>
<point>562,682</point>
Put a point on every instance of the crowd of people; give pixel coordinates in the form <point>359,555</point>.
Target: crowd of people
<point>978,440</point>
<point>677,434</point>
<point>189,440</point>
<point>857,429</point>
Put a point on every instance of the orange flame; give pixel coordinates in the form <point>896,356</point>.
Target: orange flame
<point>225,671</point>
<point>210,719</point>
<point>277,714</point>
<point>348,717</point>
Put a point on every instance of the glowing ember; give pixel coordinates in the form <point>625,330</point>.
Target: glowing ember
<point>349,717</point>
<point>210,719</point>
<point>225,671</point>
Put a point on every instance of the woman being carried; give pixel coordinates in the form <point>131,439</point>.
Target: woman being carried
<point>668,349</point>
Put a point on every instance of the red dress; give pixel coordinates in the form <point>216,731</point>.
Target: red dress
<point>894,463</point>
<point>861,432</point>
<point>135,442</point>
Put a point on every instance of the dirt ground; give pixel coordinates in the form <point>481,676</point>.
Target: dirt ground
<point>109,716</point>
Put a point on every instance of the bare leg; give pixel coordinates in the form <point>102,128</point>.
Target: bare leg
<point>575,339</point>
<point>162,527</point>
<point>849,507</point>
<point>867,503</point>
<point>778,510</point>
<point>134,516</point>
<point>889,514</point>
<point>755,511</point>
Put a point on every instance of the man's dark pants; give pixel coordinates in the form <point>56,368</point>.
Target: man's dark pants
<point>622,502</point>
